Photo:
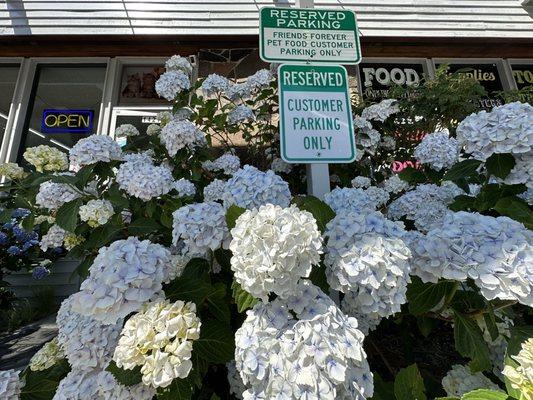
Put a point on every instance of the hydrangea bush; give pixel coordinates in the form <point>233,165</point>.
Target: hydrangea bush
<point>207,277</point>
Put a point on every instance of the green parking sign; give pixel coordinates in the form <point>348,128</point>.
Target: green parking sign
<point>316,123</point>
<point>312,35</point>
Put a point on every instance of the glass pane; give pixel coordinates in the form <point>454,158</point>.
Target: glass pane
<point>140,121</point>
<point>138,85</point>
<point>8,79</point>
<point>69,94</point>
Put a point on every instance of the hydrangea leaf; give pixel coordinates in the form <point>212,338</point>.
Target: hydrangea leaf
<point>320,210</point>
<point>243,299</point>
<point>484,394</point>
<point>68,179</point>
<point>469,342</point>
<point>216,343</point>
<point>412,176</point>
<point>179,389</point>
<point>41,385</point>
<point>127,377</point>
<point>516,209</point>
<point>188,289</point>
<point>28,222</point>
<point>102,235</point>
<point>422,297</point>
<point>409,384</point>
<point>500,165</point>
<point>462,169</point>
<point>143,226</point>
<point>67,215</point>
<point>218,304</point>
<point>232,214</point>
<point>116,198</point>
<point>83,175</point>
<point>5,215</point>
<point>382,390</point>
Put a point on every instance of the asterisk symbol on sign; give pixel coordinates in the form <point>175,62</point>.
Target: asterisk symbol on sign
<point>318,154</point>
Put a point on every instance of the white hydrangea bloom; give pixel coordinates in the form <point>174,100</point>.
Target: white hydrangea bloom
<point>86,342</point>
<point>12,171</point>
<point>236,386</point>
<point>350,199</point>
<point>53,195</point>
<point>144,180</point>
<point>46,159</point>
<point>10,385</point>
<point>184,187</point>
<point>259,80</point>
<point>522,172</point>
<point>388,143</point>
<point>96,212</point>
<point>280,166</point>
<point>395,185</point>
<point>171,83</point>
<point>53,238</point>
<point>99,385</point>
<point>497,253</point>
<point>178,134</point>
<point>381,111</point>
<point>317,355</point>
<point>179,63</point>
<point>521,376</point>
<point>153,130</point>
<point>438,150</point>
<point>351,305</point>
<point>527,196</point>
<point>200,227</point>
<point>460,380</point>
<point>361,182</point>
<point>164,117</point>
<point>214,84</point>
<point>215,190</point>
<point>142,157</point>
<point>123,276</point>
<point>378,195</point>
<point>238,91</point>
<point>429,215</point>
<point>93,149</point>
<point>367,136</point>
<point>228,163</point>
<point>251,188</point>
<point>505,129</point>
<point>272,248</point>
<point>240,113</point>
<point>47,356</point>
<point>159,339</point>
<point>126,130</point>
<point>366,255</point>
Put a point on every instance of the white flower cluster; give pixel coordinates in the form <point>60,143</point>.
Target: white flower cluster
<point>126,130</point>
<point>144,180</point>
<point>367,136</point>
<point>178,63</point>
<point>123,276</point>
<point>153,130</point>
<point>184,187</point>
<point>93,149</point>
<point>96,212</point>
<point>395,185</point>
<point>46,159</point>
<point>236,386</point>
<point>388,143</point>
<point>228,163</point>
<point>350,199</point>
<point>521,376</point>
<point>12,171</point>
<point>200,227</point>
<point>259,80</point>
<point>159,339</point>
<point>53,238</point>
<point>318,355</point>
<point>273,247</point>
<point>522,172</point>
<point>250,188</point>
<point>47,356</point>
<point>381,111</point>
<point>361,182</point>
<point>10,385</point>
<point>438,150</point>
<point>178,134</point>
<point>505,129</point>
<point>214,84</point>
<point>378,195</point>
<point>367,258</point>
<point>53,195</point>
<point>99,385</point>
<point>280,166</point>
<point>87,343</point>
<point>215,190</point>
<point>497,253</point>
<point>238,91</point>
<point>171,83</point>
<point>240,113</point>
<point>460,380</point>
<point>527,196</point>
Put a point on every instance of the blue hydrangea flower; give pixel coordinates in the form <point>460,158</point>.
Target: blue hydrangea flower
<point>40,272</point>
<point>14,250</point>
<point>29,244</point>
<point>3,238</point>
<point>20,213</point>
<point>8,226</point>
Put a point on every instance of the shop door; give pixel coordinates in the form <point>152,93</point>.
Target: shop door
<point>139,118</point>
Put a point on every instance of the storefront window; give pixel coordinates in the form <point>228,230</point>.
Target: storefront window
<point>65,105</point>
<point>8,79</point>
<point>137,86</point>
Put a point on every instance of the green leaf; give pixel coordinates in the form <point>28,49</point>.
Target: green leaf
<point>422,297</point>
<point>102,235</point>
<point>218,304</point>
<point>519,334</point>
<point>462,169</point>
<point>116,198</point>
<point>463,203</point>
<point>320,210</point>
<point>67,179</point>
<point>143,226</point>
<point>127,377</point>
<point>67,215</point>
<point>469,342</point>
<point>412,176</point>
<point>382,390</point>
<point>42,385</point>
<point>515,208</point>
<point>243,299</point>
<point>232,214</point>
<point>5,215</point>
<point>216,343</point>
<point>490,322</point>
<point>426,325</point>
<point>83,175</point>
<point>179,389</point>
<point>197,268</point>
<point>188,289</point>
<point>500,165</point>
<point>409,384</point>
<point>28,222</point>
<point>484,394</point>
<point>318,277</point>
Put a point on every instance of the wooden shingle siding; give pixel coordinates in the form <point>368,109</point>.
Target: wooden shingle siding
<point>384,18</point>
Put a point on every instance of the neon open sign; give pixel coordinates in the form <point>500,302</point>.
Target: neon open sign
<point>67,121</point>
